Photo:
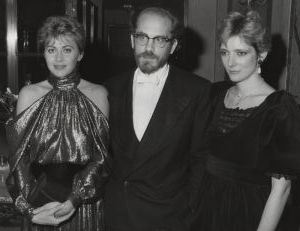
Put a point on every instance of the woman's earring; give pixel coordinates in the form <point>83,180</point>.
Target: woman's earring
<point>259,70</point>
<point>259,62</point>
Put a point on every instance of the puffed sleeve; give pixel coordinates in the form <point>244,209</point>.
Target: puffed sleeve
<point>283,148</point>
<point>19,130</point>
<point>19,183</point>
<point>88,184</point>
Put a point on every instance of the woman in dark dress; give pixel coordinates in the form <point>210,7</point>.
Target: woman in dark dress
<point>253,139</point>
<point>59,138</point>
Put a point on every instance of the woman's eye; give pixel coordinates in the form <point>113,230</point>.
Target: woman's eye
<point>50,50</point>
<point>223,53</point>
<point>67,50</point>
<point>241,53</point>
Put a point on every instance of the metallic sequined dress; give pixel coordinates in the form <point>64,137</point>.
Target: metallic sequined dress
<point>62,127</point>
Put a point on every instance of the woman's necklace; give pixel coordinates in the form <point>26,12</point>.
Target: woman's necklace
<point>251,96</point>
<point>235,99</point>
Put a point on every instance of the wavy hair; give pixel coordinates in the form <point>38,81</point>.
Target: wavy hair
<point>57,26</point>
<point>249,27</point>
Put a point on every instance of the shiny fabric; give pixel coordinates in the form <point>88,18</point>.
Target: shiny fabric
<point>246,148</point>
<point>63,126</point>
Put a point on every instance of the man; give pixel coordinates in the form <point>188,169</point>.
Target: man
<point>157,118</point>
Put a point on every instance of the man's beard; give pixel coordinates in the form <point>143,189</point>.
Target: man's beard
<point>148,62</point>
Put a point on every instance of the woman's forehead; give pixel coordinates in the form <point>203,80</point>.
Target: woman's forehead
<point>235,41</point>
<point>61,39</point>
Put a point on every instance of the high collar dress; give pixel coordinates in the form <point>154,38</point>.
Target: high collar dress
<point>62,128</point>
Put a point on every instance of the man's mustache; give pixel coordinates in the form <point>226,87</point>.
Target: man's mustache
<point>148,55</point>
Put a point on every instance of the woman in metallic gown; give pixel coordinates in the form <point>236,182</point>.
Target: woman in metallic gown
<point>59,138</point>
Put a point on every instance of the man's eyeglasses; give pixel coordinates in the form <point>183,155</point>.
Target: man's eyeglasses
<point>142,39</point>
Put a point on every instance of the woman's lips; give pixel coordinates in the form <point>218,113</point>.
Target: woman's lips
<point>59,67</point>
<point>233,72</point>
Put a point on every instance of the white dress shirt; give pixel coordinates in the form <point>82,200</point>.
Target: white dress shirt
<point>146,92</point>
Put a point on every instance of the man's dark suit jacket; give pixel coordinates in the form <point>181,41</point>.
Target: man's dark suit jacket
<point>154,182</point>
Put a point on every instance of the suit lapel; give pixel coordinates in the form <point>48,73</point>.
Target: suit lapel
<point>124,127</point>
<point>169,107</point>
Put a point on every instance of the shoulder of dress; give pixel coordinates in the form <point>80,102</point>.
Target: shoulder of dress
<point>97,94</point>
<point>282,104</point>
<point>281,99</point>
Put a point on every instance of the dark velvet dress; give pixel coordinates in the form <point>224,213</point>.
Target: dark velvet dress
<point>64,134</point>
<point>247,147</point>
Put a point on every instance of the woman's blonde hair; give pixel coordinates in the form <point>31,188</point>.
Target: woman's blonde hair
<point>249,27</point>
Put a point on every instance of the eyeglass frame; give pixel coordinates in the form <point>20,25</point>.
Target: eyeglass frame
<point>154,39</point>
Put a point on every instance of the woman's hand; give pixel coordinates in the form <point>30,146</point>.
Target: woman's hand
<point>65,210</point>
<point>44,215</point>
<point>53,213</point>
<point>47,206</point>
